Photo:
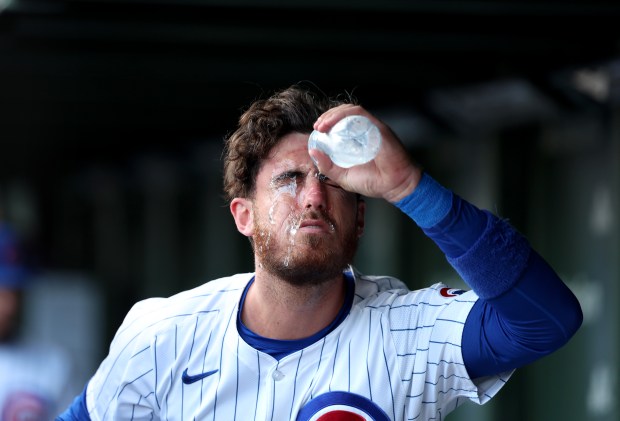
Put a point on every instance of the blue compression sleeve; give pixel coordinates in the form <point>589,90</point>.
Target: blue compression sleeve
<point>486,251</point>
<point>77,411</point>
<point>436,209</point>
<point>428,203</point>
<point>525,310</point>
<point>538,315</point>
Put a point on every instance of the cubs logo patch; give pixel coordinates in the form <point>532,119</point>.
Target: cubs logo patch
<point>341,406</point>
<point>450,292</point>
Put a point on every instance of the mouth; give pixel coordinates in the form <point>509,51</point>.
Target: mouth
<point>314,225</point>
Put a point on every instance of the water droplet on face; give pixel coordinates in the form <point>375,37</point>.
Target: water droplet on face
<point>289,189</point>
<point>292,224</point>
<point>292,229</point>
<point>267,234</point>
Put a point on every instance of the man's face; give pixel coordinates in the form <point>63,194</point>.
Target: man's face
<point>305,229</point>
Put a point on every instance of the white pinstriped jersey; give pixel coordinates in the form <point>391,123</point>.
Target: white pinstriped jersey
<point>396,356</point>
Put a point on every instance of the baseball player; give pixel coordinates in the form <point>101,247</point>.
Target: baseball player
<point>307,337</point>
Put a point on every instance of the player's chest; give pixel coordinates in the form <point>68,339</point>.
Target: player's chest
<point>345,373</point>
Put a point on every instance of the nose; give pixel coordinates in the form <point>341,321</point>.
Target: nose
<point>314,194</point>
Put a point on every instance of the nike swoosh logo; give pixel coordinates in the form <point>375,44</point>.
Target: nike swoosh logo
<point>189,379</point>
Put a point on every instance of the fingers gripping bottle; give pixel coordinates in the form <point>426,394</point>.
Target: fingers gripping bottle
<point>354,140</point>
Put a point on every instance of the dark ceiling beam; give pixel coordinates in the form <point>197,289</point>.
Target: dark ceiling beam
<point>147,72</point>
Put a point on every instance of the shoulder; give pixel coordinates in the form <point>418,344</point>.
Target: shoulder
<point>387,291</point>
<point>371,285</point>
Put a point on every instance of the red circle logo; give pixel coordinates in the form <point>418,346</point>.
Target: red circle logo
<point>341,406</point>
<point>341,415</point>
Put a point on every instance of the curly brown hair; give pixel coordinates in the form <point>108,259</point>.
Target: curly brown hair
<point>261,127</point>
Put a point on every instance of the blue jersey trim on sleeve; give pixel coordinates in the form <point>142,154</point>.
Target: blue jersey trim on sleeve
<point>77,411</point>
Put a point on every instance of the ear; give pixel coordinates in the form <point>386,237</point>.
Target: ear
<point>241,210</point>
<point>360,216</point>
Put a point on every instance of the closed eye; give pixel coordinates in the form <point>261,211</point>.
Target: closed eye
<point>298,177</point>
<point>287,176</point>
<point>327,181</point>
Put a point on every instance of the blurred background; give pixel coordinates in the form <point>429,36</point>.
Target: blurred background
<point>112,115</point>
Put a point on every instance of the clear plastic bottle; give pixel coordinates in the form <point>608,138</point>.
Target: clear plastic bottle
<point>354,140</point>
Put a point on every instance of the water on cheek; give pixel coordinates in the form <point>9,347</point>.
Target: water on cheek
<point>292,227</point>
<point>265,238</point>
<point>293,222</point>
<point>289,189</point>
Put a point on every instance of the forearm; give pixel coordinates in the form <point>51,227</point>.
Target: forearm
<point>486,251</point>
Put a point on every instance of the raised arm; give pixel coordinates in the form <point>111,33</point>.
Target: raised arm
<point>525,311</point>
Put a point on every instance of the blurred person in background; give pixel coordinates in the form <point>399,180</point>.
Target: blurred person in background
<point>33,376</point>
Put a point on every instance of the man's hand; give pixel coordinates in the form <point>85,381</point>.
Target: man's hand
<point>392,175</point>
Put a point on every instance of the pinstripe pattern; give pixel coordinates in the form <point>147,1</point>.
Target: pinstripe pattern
<point>397,348</point>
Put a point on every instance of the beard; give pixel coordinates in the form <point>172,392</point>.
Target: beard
<point>303,259</point>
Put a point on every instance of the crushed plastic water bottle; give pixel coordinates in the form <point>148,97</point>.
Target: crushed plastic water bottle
<point>354,140</point>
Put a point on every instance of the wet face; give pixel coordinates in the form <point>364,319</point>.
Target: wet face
<point>305,229</point>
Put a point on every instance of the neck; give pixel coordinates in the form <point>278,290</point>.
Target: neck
<point>276,309</point>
